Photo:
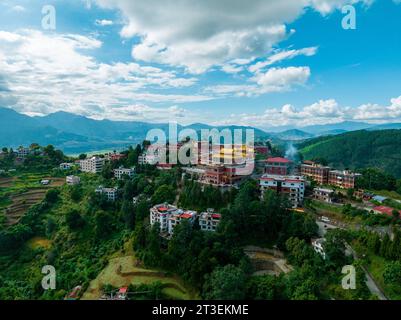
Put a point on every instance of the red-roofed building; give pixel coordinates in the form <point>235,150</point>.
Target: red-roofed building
<point>208,221</point>
<point>169,217</point>
<point>177,217</point>
<point>385,210</point>
<point>278,166</point>
<point>116,156</point>
<point>262,150</point>
<point>160,213</point>
<point>123,290</point>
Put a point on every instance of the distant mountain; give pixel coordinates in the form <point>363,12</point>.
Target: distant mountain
<point>293,135</point>
<point>358,149</point>
<point>74,133</point>
<point>387,126</point>
<point>332,132</point>
<point>17,129</point>
<point>344,126</point>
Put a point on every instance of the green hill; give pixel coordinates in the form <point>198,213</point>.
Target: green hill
<point>358,149</point>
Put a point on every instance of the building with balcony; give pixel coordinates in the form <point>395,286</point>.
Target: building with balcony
<point>343,179</point>
<point>292,187</point>
<point>23,152</point>
<point>317,172</point>
<point>72,180</point>
<point>209,220</point>
<point>169,217</point>
<point>65,166</point>
<point>323,194</point>
<point>278,166</point>
<point>121,172</point>
<point>92,165</point>
<point>110,193</point>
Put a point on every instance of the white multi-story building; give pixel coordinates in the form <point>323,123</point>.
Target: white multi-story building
<point>92,165</point>
<point>208,221</point>
<point>110,193</point>
<point>65,166</point>
<point>23,152</point>
<point>323,194</point>
<point>146,158</point>
<point>178,216</point>
<point>120,172</point>
<point>72,180</point>
<point>160,214</point>
<point>169,217</point>
<point>293,187</point>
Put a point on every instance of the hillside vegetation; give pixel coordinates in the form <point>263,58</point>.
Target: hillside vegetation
<point>358,149</point>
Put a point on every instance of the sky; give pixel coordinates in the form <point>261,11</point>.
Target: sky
<point>263,63</point>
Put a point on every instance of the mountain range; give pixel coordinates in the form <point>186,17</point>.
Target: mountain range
<point>74,133</point>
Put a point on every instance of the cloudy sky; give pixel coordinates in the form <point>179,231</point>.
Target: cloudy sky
<point>263,63</point>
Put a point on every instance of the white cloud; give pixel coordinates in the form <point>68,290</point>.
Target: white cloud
<point>104,22</point>
<point>282,55</point>
<point>44,73</point>
<point>321,112</point>
<point>201,34</point>
<point>18,8</point>
<point>273,80</point>
<point>327,6</point>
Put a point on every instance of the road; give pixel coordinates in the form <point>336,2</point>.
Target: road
<point>370,282</point>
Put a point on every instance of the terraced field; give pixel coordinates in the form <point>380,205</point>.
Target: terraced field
<point>123,271</point>
<point>18,194</point>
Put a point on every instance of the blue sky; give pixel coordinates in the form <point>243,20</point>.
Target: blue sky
<point>264,63</point>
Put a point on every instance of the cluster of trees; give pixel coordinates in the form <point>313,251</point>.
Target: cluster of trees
<point>369,218</point>
<point>385,247</point>
<point>206,196</point>
<point>376,179</point>
<point>371,244</point>
<point>215,263</point>
<point>358,149</point>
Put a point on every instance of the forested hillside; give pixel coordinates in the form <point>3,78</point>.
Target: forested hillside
<point>358,149</point>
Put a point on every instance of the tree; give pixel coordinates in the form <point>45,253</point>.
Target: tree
<point>103,224</point>
<point>128,191</point>
<point>82,156</point>
<point>392,273</point>
<point>76,193</point>
<point>133,155</point>
<point>164,193</point>
<point>153,255</point>
<point>52,196</point>
<point>264,288</point>
<point>375,179</point>
<point>51,226</point>
<point>335,248</point>
<point>107,171</point>
<point>299,251</point>
<point>74,220</point>
<point>225,283</point>
<point>385,247</point>
<point>127,212</point>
